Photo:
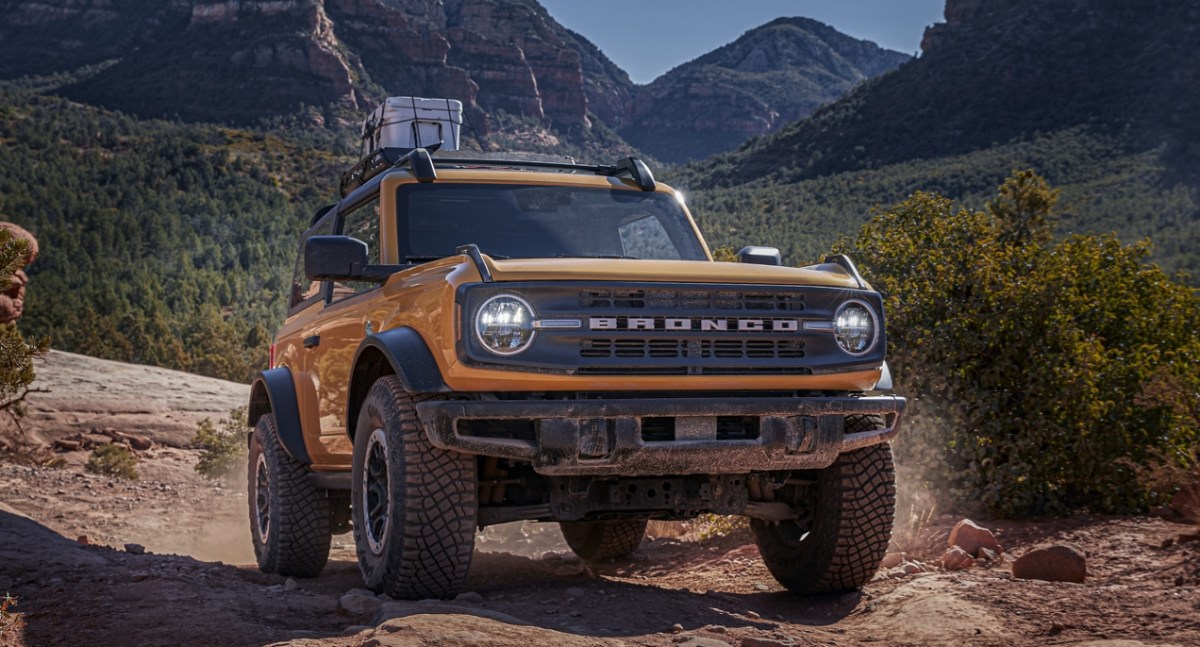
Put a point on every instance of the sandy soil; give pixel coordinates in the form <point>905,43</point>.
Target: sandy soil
<point>195,585</point>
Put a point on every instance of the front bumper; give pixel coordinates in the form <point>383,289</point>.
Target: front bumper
<point>605,437</point>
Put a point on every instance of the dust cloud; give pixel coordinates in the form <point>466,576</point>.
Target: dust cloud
<point>221,534</point>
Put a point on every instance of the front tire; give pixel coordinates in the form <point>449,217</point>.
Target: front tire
<point>289,516</point>
<point>595,541</point>
<point>846,525</point>
<point>414,505</point>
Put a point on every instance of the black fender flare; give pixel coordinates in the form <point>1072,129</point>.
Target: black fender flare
<point>274,391</point>
<point>400,352</point>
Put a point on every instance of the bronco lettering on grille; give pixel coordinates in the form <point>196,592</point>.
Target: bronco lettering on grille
<point>702,324</point>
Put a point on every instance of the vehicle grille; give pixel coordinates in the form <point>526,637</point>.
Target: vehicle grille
<point>676,329</point>
<point>692,348</point>
<point>710,300</point>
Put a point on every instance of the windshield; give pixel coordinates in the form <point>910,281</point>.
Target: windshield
<point>517,221</point>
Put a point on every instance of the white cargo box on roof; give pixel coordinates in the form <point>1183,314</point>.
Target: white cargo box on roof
<point>412,122</point>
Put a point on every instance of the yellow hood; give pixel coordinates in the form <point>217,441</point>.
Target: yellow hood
<point>607,269</point>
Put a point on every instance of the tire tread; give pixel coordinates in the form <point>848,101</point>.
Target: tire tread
<point>595,541</point>
<point>299,537</point>
<point>854,514</point>
<point>437,537</point>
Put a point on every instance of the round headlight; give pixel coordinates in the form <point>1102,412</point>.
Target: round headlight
<point>504,324</point>
<point>855,327</point>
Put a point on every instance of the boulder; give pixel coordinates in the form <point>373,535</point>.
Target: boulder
<point>970,537</point>
<point>957,559</point>
<point>358,603</point>
<point>139,443</point>
<point>1055,563</point>
<point>891,560</point>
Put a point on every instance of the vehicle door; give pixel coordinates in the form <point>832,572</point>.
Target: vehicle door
<point>333,336</point>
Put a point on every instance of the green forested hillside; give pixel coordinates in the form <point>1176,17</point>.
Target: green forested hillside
<point>1106,187</point>
<point>162,243</point>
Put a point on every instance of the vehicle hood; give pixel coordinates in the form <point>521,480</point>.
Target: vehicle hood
<point>634,270</point>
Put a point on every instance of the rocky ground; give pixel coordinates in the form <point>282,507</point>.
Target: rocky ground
<point>165,560</point>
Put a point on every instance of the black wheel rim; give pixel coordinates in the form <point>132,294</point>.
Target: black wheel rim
<point>262,497</point>
<point>375,491</point>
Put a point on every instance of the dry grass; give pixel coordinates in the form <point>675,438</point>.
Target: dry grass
<point>915,534</point>
<point>9,620</point>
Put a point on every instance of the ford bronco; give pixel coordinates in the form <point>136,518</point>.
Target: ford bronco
<point>477,341</point>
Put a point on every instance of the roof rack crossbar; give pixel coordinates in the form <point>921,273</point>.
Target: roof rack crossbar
<point>600,170</point>
<point>418,160</point>
<point>421,163</point>
<point>636,169</point>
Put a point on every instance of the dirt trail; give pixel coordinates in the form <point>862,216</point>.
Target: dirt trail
<point>525,588</point>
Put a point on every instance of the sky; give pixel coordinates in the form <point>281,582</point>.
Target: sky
<point>648,37</point>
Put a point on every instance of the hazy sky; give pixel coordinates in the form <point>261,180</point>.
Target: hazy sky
<point>648,37</point>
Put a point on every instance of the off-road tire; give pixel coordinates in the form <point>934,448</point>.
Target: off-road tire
<point>595,541</point>
<point>291,537</point>
<point>422,521</point>
<point>852,506</point>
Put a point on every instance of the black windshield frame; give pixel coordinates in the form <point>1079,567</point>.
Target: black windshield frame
<point>542,221</point>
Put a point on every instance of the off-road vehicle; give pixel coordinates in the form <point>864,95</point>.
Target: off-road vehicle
<point>476,341</point>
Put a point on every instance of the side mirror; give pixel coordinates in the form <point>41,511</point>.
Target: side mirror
<point>334,258</point>
<point>760,255</point>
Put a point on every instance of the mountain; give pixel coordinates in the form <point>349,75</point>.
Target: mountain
<point>246,62</point>
<point>1102,97</point>
<point>771,76</point>
<point>526,81</point>
<point>999,70</point>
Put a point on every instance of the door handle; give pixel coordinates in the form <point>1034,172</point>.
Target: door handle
<point>312,341</point>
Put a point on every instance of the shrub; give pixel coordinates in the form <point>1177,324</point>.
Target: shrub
<point>222,447</point>
<point>16,351</point>
<point>711,527</point>
<point>725,254</point>
<point>1024,357</point>
<point>8,617</point>
<point>113,460</point>
<point>1178,470</point>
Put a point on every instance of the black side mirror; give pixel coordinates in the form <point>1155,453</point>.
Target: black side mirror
<point>340,258</point>
<point>760,255</point>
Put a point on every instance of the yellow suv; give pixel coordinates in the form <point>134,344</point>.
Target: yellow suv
<point>476,341</point>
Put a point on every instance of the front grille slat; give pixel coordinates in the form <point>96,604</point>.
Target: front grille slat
<point>699,348</point>
<point>712,300</point>
<point>692,349</point>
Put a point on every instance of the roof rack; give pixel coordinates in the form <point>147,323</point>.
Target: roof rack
<point>421,163</point>
<point>417,160</point>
